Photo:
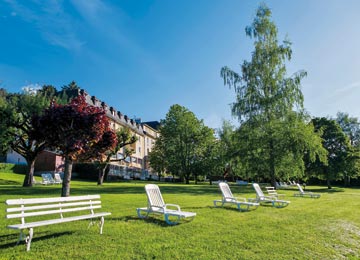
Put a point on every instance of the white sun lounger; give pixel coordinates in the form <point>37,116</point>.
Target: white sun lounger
<point>228,198</point>
<point>262,199</point>
<point>172,212</point>
<point>303,193</point>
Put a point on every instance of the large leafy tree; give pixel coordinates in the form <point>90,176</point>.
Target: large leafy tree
<point>16,129</point>
<point>269,105</point>
<point>342,157</point>
<point>184,141</point>
<point>226,162</point>
<point>157,158</point>
<point>74,130</point>
<point>338,147</point>
<point>124,138</point>
<point>351,127</point>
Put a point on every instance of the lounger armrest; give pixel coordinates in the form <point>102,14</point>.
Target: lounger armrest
<point>240,199</point>
<point>270,197</point>
<point>172,205</point>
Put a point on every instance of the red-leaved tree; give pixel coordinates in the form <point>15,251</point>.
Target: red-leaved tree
<point>77,130</point>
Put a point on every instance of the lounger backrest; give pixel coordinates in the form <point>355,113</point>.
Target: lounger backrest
<point>300,189</point>
<point>225,190</point>
<point>258,190</point>
<point>154,196</point>
<point>57,177</point>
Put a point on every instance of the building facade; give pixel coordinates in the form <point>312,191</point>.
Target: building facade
<point>134,166</point>
<point>137,165</point>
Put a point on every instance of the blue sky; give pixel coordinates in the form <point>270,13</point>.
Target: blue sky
<point>143,56</point>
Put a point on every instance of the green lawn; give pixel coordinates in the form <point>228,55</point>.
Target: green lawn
<point>325,228</point>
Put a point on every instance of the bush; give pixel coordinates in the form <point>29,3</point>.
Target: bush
<point>6,167</point>
<point>87,171</point>
<point>15,168</point>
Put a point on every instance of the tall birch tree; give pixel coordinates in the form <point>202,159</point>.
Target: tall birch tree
<point>269,105</point>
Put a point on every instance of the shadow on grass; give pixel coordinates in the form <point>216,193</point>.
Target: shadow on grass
<point>8,182</point>
<point>128,188</point>
<point>11,188</point>
<point>153,219</point>
<point>22,243</point>
<point>231,209</point>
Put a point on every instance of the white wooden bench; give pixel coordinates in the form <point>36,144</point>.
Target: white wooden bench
<point>56,210</point>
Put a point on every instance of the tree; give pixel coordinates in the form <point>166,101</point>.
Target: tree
<point>338,147</point>
<point>269,105</point>
<point>68,92</point>
<point>157,158</point>
<point>226,160</point>
<point>75,129</point>
<point>124,138</point>
<point>183,142</point>
<point>16,129</point>
<point>351,127</point>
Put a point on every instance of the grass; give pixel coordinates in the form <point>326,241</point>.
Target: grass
<point>325,228</point>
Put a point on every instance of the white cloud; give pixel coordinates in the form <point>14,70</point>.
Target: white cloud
<point>31,88</point>
<point>348,88</point>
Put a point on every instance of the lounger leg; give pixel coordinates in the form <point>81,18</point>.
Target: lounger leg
<point>169,221</point>
<point>245,208</point>
<point>28,239</point>
<point>140,215</point>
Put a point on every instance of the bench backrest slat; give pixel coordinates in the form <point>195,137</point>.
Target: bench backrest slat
<point>33,207</point>
<point>50,200</point>
<point>51,206</point>
<point>49,212</point>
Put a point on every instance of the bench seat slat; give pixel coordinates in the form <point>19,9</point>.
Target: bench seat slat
<point>49,206</point>
<point>50,200</point>
<point>57,221</point>
<point>49,212</point>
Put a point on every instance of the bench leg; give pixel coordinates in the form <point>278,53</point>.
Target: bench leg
<point>101,224</point>
<point>21,237</point>
<point>28,239</point>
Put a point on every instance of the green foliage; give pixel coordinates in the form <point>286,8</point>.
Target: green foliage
<point>124,137</point>
<point>15,168</point>
<point>340,152</point>
<point>184,144</point>
<point>351,127</point>
<point>78,130</point>
<point>16,129</point>
<point>273,134</point>
<point>87,171</point>
<point>157,157</point>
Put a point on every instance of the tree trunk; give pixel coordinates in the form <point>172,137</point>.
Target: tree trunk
<point>347,181</point>
<point>328,183</point>
<point>65,191</point>
<point>187,179</point>
<point>102,171</point>
<point>28,180</point>
<point>272,163</point>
